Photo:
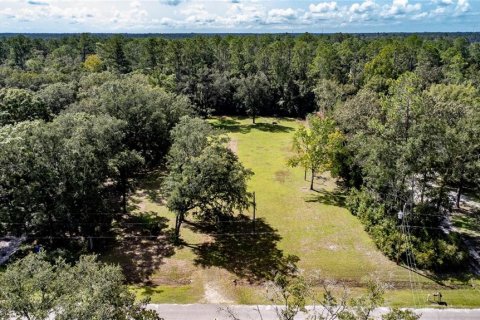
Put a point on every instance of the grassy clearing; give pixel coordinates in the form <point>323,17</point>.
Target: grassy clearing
<point>314,226</point>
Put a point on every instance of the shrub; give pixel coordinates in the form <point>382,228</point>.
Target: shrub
<point>431,247</point>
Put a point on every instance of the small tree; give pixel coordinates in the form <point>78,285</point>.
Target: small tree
<point>315,147</point>
<point>93,63</point>
<point>253,93</point>
<point>291,292</point>
<point>301,146</point>
<point>363,306</point>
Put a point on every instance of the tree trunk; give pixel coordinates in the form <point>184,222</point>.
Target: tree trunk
<point>253,118</point>
<point>459,196</point>
<point>439,199</point>
<point>305,175</point>
<point>178,224</point>
<point>313,177</point>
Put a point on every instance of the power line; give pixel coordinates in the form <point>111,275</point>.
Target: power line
<point>408,259</point>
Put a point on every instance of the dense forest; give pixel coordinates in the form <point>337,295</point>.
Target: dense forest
<point>396,119</point>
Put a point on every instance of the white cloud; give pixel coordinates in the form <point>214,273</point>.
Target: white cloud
<point>360,8</point>
<point>462,6</point>
<point>400,8</point>
<point>185,15</point>
<point>242,14</point>
<point>323,7</point>
<point>438,11</point>
<point>135,4</point>
<point>276,16</point>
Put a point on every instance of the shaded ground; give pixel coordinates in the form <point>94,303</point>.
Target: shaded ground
<point>142,245</point>
<point>332,198</point>
<point>246,248</point>
<point>234,126</point>
<point>466,221</point>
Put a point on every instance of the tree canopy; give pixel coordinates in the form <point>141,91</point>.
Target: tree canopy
<point>34,288</point>
<point>206,177</point>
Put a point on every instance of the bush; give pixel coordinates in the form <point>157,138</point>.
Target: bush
<point>431,247</point>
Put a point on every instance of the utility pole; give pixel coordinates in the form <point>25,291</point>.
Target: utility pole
<point>254,203</point>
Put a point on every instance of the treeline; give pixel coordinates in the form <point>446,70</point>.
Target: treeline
<point>266,75</point>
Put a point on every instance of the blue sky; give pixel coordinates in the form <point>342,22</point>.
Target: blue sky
<point>145,16</point>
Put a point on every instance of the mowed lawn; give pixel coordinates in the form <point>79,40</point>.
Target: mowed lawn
<point>312,225</point>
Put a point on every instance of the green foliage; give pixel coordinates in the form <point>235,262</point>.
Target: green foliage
<point>317,147</point>
<point>93,63</point>
<point>397,314</point>
<point>430,249</point>
<point>53,174</point>
<point>417,143</point>
<point>253,93</point>
<point>57,96</point>
<point>218,74</point>
<point>35,288</point>
<point>167,82</point>
<point>327,94</point>
<point>149,112</point>
<point>20,49</point>
<point>205,176</point>
<point>18,105</point>
<point>291,293</point>
<point>190,137</point>
<point>112,53</point>
<point>363,306</point>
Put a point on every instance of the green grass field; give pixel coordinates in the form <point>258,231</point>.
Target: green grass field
<point>312,225</point>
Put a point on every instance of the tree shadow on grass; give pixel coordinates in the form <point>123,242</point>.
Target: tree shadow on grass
<point>247,249</point>
<point>142,244</point>
<point>234,126</point>
<point>269,127</point>
<point>462,278</point>
<point>230,125</point>
<point>150,185</point>
<point>435,278</point>
<point>149,290</point>
<point>332,198</point>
